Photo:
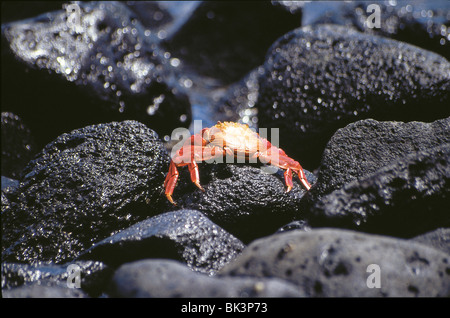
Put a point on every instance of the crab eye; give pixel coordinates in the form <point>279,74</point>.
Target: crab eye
<point>212,137</point>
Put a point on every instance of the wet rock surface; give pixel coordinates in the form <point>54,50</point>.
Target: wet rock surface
<point>164,278</point>
<point>335,263</point>
<point>105,67</point>
<point>9,184</point>
<point>82,187</point>
<point>422,23</point>
<point>363,147</point>
<point>414,188</point>
<point>320,78</point>
<point>438,239</point>
<point>88,110</point>
<point>42,291</point>
<point>55,279</point>
<point>184,235</point>
<point>238,102</point>
<point>243,199</point>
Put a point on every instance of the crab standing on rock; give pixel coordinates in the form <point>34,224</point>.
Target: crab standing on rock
<point>233,139</point>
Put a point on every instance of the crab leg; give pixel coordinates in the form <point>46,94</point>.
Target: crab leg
<point>288,179</point>
<point>171,181</point>
<point>195,152</point>
<point>277,157</point>
<point>185,156</point>
<point>291,165</point>
<point>172,178</point>
<point>302,177</point>
<point>195,176</point>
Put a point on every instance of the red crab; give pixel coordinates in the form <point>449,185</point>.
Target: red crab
<point>232,139</point>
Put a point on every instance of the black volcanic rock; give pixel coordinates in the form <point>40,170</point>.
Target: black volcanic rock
<point>82,187</point>
<point>92,280</point>
<point>107,67</point>
<point>409,197</point>
<point>168,278</point>
<point>238,102</point>
<point>43,291</point>
<point>343,263</point>
<point>184,235</point>
<point>242,198</point>
<point>421,23</point>
<point>318,79</point>
<point>365,146</point>
<point>438,239</point>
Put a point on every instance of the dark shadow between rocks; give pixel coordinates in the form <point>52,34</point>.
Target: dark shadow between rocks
<point>128,251</point>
